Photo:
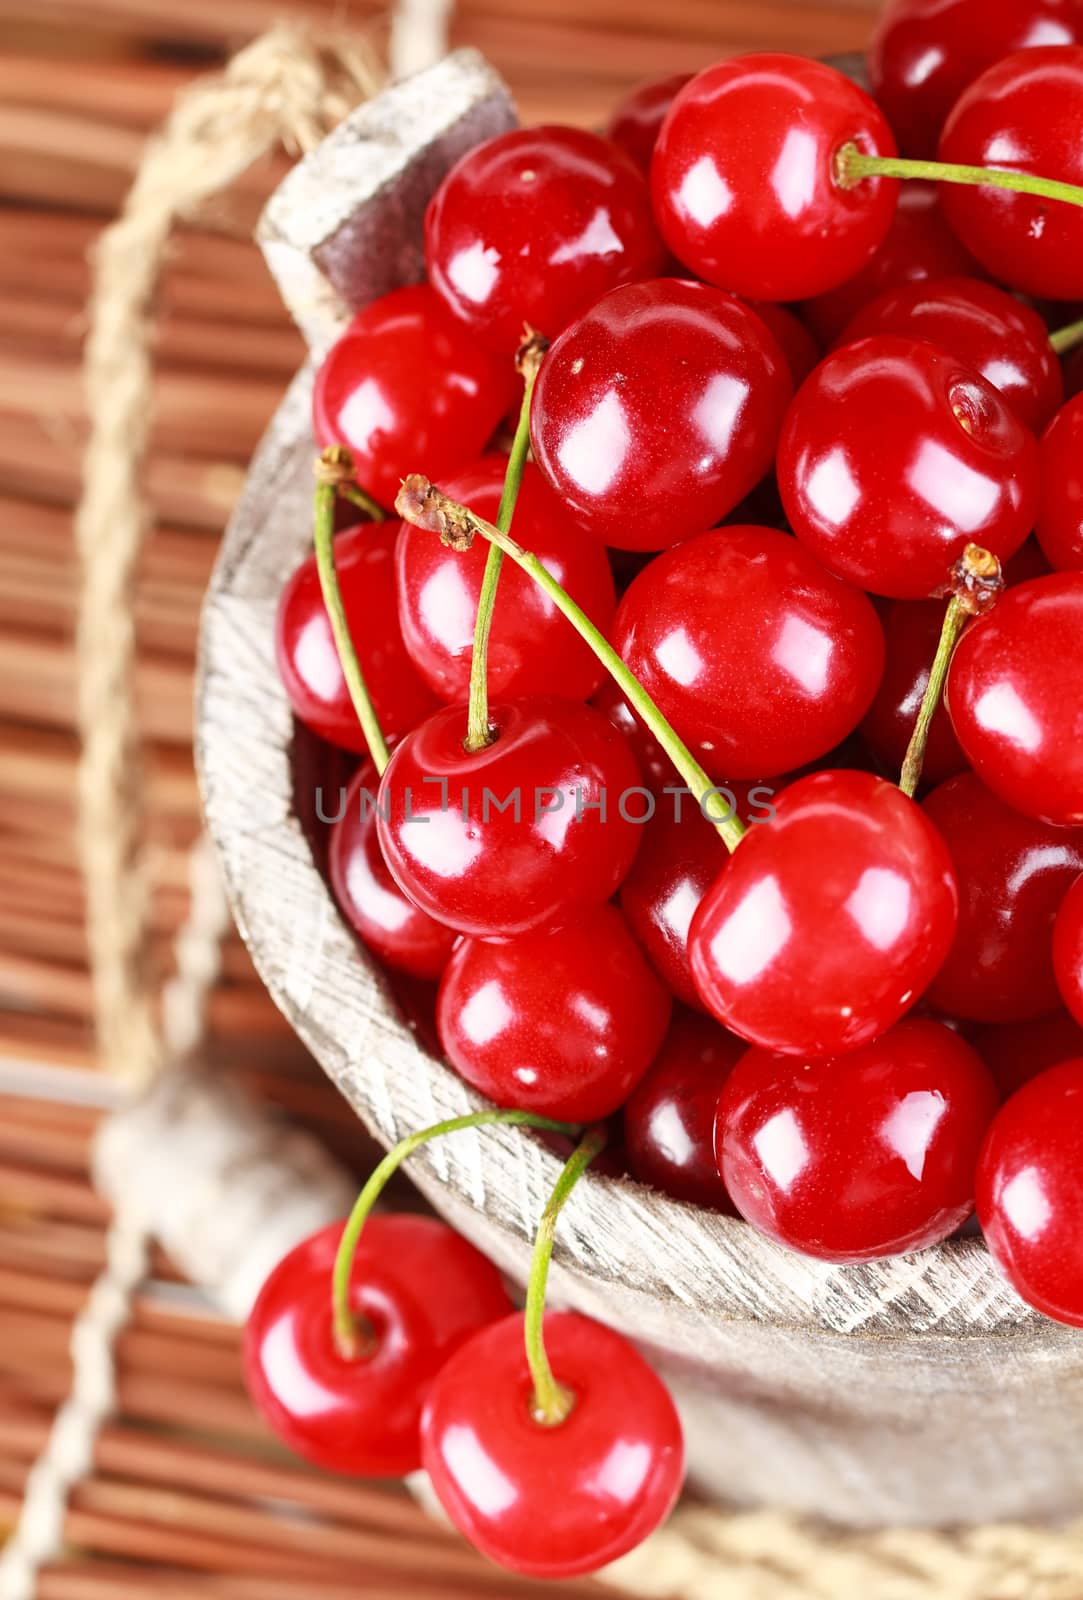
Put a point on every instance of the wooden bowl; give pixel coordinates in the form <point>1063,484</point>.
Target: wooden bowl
<point>914,1390</point>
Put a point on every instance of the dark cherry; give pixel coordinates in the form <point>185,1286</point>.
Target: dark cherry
<point>520,836</point>
<point>912,633</point>
<point>532,226</point>
<point>1015,1052</point>
<point>797,343</point>
<point>392,927</point>
<point>829,921</point>
<point>658,410</point>
<point>1068,950</point>
<point>1030,1201</point>
<point>308,663</point>
<point>982,325</point>
<point>656,769</point>
<point>638,119</point>
<point>1013,873</point>
<point>564,1024</point>
<point>919,244</point>
<point>759,658</point>
<point>1023,114</point>
<point>532,648</point>
<point>891,508</point>
<point>409,390</point>
<point>421,1289</point>
<point>1015,695</point>
<point>669,1117</point>
<point>1060,517</point>
<point>872,1154</point>
<point>924,53</point>
<point>553,1502</point>
<point>744,183</point>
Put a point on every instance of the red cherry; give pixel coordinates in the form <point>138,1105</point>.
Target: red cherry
<point>407,389</point>
<point>563,1024</point>
<point>308,662</point>
<point>829,921</point>
<point>912,632</point>
<point>655,766</point>
<point>657,410</point>
<point>980,324</point>
<point>532,226</point>
<point>518,837</point>
<point>1030,1203</point>
<point>669,1118</point>
<point>1015,695</point>
<point>924,53</point>
<point>1023,115</point>
<point>891,507</point>
<point>532,648</point>
<point>421,1289</point>
<point>1015,1052</point>
<point>872,1154</point>
<point>759,658</point>
<point>1068,950</point>
<point>391,926</point>
<point>797,344</point>
<point>636,123</point>
<point>1060,518</point>
<point>744,182</point>
<point>1012,873</point>
<point>919,244</point>
<point>553,1502</point>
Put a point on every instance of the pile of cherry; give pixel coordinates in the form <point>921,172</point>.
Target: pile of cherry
<point>794,409</point>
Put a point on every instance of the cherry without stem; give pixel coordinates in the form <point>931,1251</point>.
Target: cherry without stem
<point>869,1155</point>
<point>1015,1052</point>
<point>912,631</point>
<point>637,121</point>
<point>1060,516</point>
<point>1068,950</point>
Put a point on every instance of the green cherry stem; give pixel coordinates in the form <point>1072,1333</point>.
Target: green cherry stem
<point>1065,339</point>
<point>354,493</point>
<point>976,585</point>
<point>478,732</point>
<point>352,1338</point>
<point>422,504</point>
<point>851,165</point>
<point>552,1402</point>
<point>334,468</point>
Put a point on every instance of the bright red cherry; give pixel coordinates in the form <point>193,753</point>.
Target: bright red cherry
<point>872,1154</point>
<point>638,119</point>
<point>409,390</point>
<point>520,836</point>
<point>308,661</point>
<point>1013,873</point>
<point>894,457</point>
<point>828,921</point>
<point>759,658</point>
<point>924,53</point>
<point>1015,695</point>
<point>553,1502</point>
<point>919,244</point>
<point>421,1290</point>
<point>990,330</point>
<point>1015,1052</point>
<point>744,182</point>
<point>564,1024</point>
<point>1030,1201</point>
<point>1060,517</point>
<point>532,226</point>
<point>1068,950</point>
<point>658,410</point>
<point>797,344</point>
<point>912,632</point>
<point>532,648</point>
<point>1023,115</point>
<point>391,926</point>
<point>669,1117</point>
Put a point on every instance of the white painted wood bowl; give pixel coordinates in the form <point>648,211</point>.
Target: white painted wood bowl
<point>916,1390</point>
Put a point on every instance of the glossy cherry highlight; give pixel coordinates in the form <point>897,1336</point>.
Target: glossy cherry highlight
<point>669,1118</point>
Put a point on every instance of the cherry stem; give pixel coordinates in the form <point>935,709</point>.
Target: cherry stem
<point>1067,338</point>
<point>976,584</point>
<point>354,493</point>
<point>422,504</point>
<point>334,470</point>
<point>354,1339</point>
<point>852,164</point>
<point>478,732</point>
<point>552,1402</point>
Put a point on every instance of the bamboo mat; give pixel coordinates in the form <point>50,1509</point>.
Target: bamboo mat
<point>188,1495</point>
